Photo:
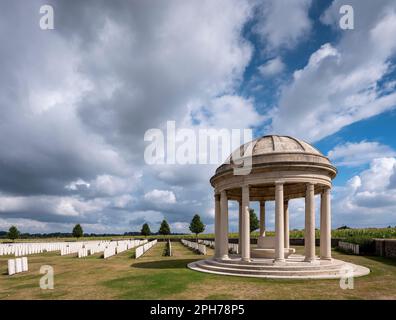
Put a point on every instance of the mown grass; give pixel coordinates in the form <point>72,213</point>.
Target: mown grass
<point>155,276</point>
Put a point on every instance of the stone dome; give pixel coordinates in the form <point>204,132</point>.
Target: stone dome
<point>274,144</point>
<point>276,151</point>
<point>281,144</point>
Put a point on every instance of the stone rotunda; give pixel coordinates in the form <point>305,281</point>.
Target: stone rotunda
<point>282,168</point>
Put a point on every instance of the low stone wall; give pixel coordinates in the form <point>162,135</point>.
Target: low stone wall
<point>385,248</point>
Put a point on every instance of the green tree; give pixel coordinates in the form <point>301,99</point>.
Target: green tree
<point>254,222</point>
<point>13,233</point>
<point>78,231</point>
<point>196,226</point>
<point>145,230</point>
<point>164,228</point>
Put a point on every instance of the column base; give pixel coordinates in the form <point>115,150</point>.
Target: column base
<point>279,261</point>
<point>312,260</point>
<point>225,257</point>
<point>326,258</point>
<point>245,259</point>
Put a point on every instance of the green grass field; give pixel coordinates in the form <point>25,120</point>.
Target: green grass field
<point>157,277</point>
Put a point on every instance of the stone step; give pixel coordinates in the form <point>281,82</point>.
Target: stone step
<point>278,273</point>
<point>272,267</point>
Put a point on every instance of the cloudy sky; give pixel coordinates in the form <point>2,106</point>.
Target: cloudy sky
<point>76,102</point>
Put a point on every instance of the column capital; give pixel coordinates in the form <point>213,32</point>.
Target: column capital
<point>326,189</point>
<point>245,190</point>
<point>279,182</point>
<point>310,185</point>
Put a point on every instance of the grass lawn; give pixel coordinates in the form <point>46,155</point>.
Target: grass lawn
<point>156,277</point>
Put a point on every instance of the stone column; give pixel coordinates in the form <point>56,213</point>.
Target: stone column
<point>279,229</point>
<point>286,223</point>
<point>217,226</point>
<point>240,226</point>
<point>262,218</point>
<point>260,240</point>
<point>224,225</point>
<point>325,225</point>
<point>245,250</point>
<point>309,236</point>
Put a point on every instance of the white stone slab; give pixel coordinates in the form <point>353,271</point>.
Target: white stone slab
<point>11,267</point>
<point>18,265</point>
<point>25,266</point>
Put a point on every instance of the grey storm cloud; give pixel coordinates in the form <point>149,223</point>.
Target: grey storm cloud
<point>76,101</point>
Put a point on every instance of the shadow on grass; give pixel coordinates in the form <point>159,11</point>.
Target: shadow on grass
<point>164,264</point>
<point>387,261</point>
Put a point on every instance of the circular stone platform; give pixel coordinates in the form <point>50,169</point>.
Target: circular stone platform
<point>293,268</point>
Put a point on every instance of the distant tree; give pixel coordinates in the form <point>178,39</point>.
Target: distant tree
<point>196,226</point>
<point>343,228</point>
<point>13,233</point>
<point>254,222</point>
<point>78,231</point>
<point>145,230</point>
<point>164,228</point>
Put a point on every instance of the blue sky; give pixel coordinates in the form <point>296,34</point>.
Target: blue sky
<point>77,101</point>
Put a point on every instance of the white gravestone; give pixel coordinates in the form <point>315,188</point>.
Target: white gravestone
<point>25,266</point>
<point>18,265</point>
<point>11,267</point>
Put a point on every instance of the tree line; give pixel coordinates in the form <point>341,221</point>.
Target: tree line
<point>196,226</point>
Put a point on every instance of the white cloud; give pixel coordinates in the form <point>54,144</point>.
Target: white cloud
<point>272,67</point>
<point>111,185</point>
<point>281,24</point>
<point>122,201</point>
<point>344,82</point>
<point>355,154</point>
<point>368,198</point>
<point>230,112</point>
<point>180,227</point>
<point>74,127</point>
<point>160,196</point>
<point>78,184</point>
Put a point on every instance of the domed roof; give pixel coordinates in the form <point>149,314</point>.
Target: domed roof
<point>281,144</point>
<point>268,159</point>
<point>275,149</point>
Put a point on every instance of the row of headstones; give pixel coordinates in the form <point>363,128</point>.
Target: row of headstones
<point>121,246</point>
<point>349,246</point>
<point>23,249</point>
<point>109,248</point>
<point>209,243</point>
<point>75,247</point>
<point>201,248</point>
<point>66,248</point>
<point>232,247</point>
<point>144,248</point>
<point>17,265</point>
